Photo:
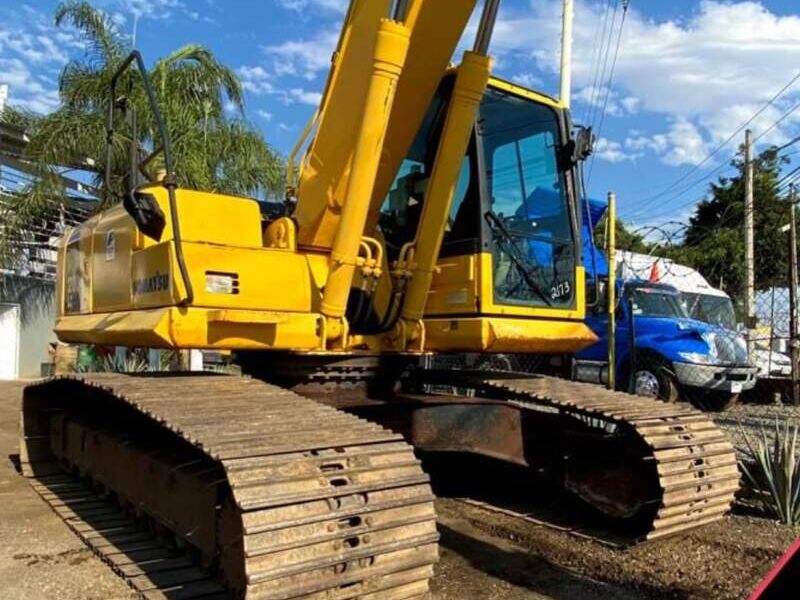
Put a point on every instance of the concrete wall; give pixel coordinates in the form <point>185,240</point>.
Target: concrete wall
<point>37,319</point>
<point>36,336</point>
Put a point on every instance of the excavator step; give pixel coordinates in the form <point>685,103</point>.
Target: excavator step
<point>281,496</point>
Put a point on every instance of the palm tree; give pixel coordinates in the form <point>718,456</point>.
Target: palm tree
<point>212,150</point>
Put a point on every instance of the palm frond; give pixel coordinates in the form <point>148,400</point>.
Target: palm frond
<point>104,42</point>
<point>212,151</point>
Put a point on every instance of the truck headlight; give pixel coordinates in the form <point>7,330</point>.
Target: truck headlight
<point>740,348</point>
<point>710,338</point>
<point>695,357</point>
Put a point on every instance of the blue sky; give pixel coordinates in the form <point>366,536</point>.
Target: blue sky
<point>688,74</point>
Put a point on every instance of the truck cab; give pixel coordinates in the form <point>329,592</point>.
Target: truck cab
<point>664,353</point>
<point>706,303</point>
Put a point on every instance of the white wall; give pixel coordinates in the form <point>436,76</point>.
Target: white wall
<point>10,317</point>
<point>37,318</point>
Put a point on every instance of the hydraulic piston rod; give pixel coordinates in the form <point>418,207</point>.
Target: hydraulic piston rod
<point>469,87</point>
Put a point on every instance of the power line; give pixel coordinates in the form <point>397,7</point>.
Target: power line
<point>724,163</point>
<point>597,44</point>
<point>625,5</point>
<point>720,146</point>
<point>600,74</point>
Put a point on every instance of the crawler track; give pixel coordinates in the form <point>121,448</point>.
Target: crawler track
<point>150,566</point>
<point>691,459</point>
<point>283,497</point>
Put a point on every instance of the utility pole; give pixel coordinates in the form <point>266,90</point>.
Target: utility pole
<point>566,52</point>
<point>749,296</point>
<point>793,341</point>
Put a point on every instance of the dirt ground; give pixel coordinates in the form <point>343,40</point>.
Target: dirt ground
<point>485,556</point>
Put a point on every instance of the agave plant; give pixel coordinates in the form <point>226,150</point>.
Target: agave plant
<point>772,468</point>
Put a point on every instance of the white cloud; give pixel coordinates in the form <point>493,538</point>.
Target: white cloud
<point>631,104</point>
<point>527,79</point>
<point>338,6</point>
<point>598,96</point>
<point>612,151</point>
<point>683,143</point>
<point>289,62</point>
<point>707,73</point>
<point>304,58</point>
<point>157,9</point>
<point>657,143</point>
<point>25,89</point>
<point>255,80</point>
<point>32,52</point>
<point>304,96</point>
<point>267,116</point>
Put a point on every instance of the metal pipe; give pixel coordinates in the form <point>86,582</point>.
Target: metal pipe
<point>400,10</point>
<point>612,290</point>
<point>566,52</point>
<point>793,294</point>
<point>486,27</point>
<point>170,180</point>
<point>290,163</point>
<point>749,277</point>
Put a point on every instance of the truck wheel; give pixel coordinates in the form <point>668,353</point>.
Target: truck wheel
<point>653,380</point>
<point>711,400</point>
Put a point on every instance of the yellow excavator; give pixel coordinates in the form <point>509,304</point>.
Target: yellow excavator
<point>433,212</point>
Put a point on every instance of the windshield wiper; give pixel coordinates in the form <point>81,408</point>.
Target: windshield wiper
<point>513,252</point>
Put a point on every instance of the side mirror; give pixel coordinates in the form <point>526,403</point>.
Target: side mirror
<point>577,149</point>
<point>584,144</point>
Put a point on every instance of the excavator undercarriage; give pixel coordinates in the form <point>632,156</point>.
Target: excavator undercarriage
<point>284,497</point>
<point>326,505</point>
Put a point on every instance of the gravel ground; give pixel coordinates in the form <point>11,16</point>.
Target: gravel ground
<point>751,419</point>
<point>722,560</point>
<point>484,556</point>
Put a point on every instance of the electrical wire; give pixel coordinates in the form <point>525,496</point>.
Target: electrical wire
<point>649,200</point>
<point>599,129</point>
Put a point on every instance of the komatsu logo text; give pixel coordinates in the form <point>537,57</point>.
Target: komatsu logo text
<point>152,284</point>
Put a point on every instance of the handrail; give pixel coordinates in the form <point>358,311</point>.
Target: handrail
<point>169,181</point>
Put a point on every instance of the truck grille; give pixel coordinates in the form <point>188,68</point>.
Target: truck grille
<point>729,349</point>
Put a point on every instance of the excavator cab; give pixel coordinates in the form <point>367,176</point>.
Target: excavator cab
<point>512,200</point>
<point>511,241</point>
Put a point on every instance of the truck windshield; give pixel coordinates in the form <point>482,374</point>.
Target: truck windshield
<point>654,302</point>
<point>714,310</point>
<point>533,248</point>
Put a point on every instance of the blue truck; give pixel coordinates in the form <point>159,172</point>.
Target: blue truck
<point>660,351</point>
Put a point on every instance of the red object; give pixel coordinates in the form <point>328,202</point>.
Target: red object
<point>655,276</point>
<point>783,580</point>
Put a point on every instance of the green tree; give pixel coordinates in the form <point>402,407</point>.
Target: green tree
<point>625,239</point>
<point>714,240</point>
<point>213,149</point>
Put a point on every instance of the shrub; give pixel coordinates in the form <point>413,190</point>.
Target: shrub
<point>773,470</point>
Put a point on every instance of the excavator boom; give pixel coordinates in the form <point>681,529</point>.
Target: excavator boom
<point>433,28</point>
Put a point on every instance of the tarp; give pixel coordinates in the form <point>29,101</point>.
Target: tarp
<point>593,258</point>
